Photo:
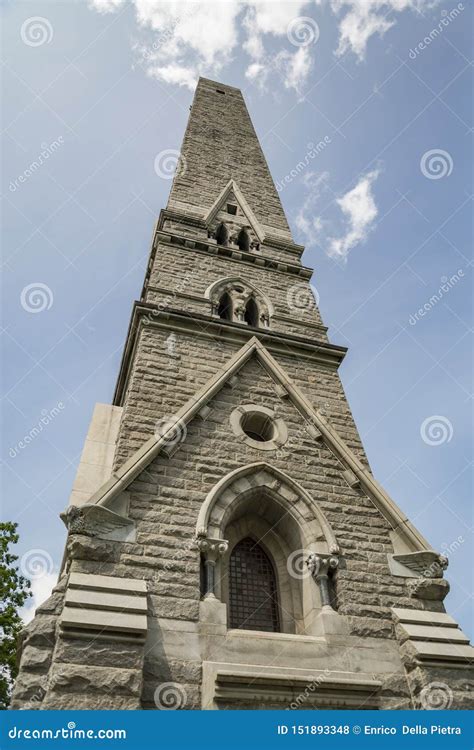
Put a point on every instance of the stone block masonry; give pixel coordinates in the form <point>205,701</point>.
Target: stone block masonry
<point>230,424</point>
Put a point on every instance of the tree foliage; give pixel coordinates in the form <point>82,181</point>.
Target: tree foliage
<point>14,591</point>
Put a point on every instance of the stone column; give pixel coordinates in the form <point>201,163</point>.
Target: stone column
<point>212,550</point>
<point>319,567</point>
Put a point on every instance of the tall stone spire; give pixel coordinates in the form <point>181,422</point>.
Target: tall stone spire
<point>220,144</point>
<point>228,546</point>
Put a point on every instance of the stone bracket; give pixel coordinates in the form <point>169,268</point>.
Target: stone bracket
<point>99,521</point>
<point>423,564</point>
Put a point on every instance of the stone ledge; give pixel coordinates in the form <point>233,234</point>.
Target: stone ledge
<point>311,690</point>
<point>105,605</point>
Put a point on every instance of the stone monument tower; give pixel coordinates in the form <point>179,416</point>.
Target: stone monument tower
<point>228,545</point>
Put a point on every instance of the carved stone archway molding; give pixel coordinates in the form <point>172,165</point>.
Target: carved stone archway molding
<point>240,292</point>
<point>261,476</point>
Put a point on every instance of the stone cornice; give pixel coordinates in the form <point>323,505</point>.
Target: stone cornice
<point>232,253</point>
<point>199,298</point>
<point>209,327</point>
<point>199,221</point>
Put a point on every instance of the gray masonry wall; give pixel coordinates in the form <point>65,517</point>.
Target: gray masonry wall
<point>172,351</point>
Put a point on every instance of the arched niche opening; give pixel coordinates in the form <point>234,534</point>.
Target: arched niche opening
<point>251,314</point>
<point>224,309</point>
<point>263,503</point>
<point>243,240</point>
<point>222,234</point>
<point>253,589</point>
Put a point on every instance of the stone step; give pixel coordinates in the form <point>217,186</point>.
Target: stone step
<point>436,651</point>
<point>434,633</point>
<point>105,600</point>
<point>106,622</point>
<point>108,583</point>
<point>422,617</point>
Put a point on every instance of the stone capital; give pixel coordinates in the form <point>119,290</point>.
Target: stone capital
<point>212,549</point>
<point>320,565</point>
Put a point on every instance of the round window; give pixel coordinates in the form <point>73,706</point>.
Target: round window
<point>259,427</point>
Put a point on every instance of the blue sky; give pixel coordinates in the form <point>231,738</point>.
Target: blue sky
<point>384,208</point>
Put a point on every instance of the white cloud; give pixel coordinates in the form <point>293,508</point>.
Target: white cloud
<point>41,589</point>
<point>106,6</point>
<point>179,40</point>
<point>364,18</point>
<point>359,212</point>
<point>297,69</point>
<point>307,221</point>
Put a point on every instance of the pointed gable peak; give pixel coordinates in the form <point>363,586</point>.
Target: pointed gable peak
<point>232,208</point>
<point>317,425</point>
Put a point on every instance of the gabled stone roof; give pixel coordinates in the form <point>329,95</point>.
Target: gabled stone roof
<point>318,426</point>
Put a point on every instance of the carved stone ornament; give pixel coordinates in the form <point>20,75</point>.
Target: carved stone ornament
<point>240,293</point>
<point>211,550</point>
<point>320,565</point>
<point>97,521</point>
<point>426,563</point>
